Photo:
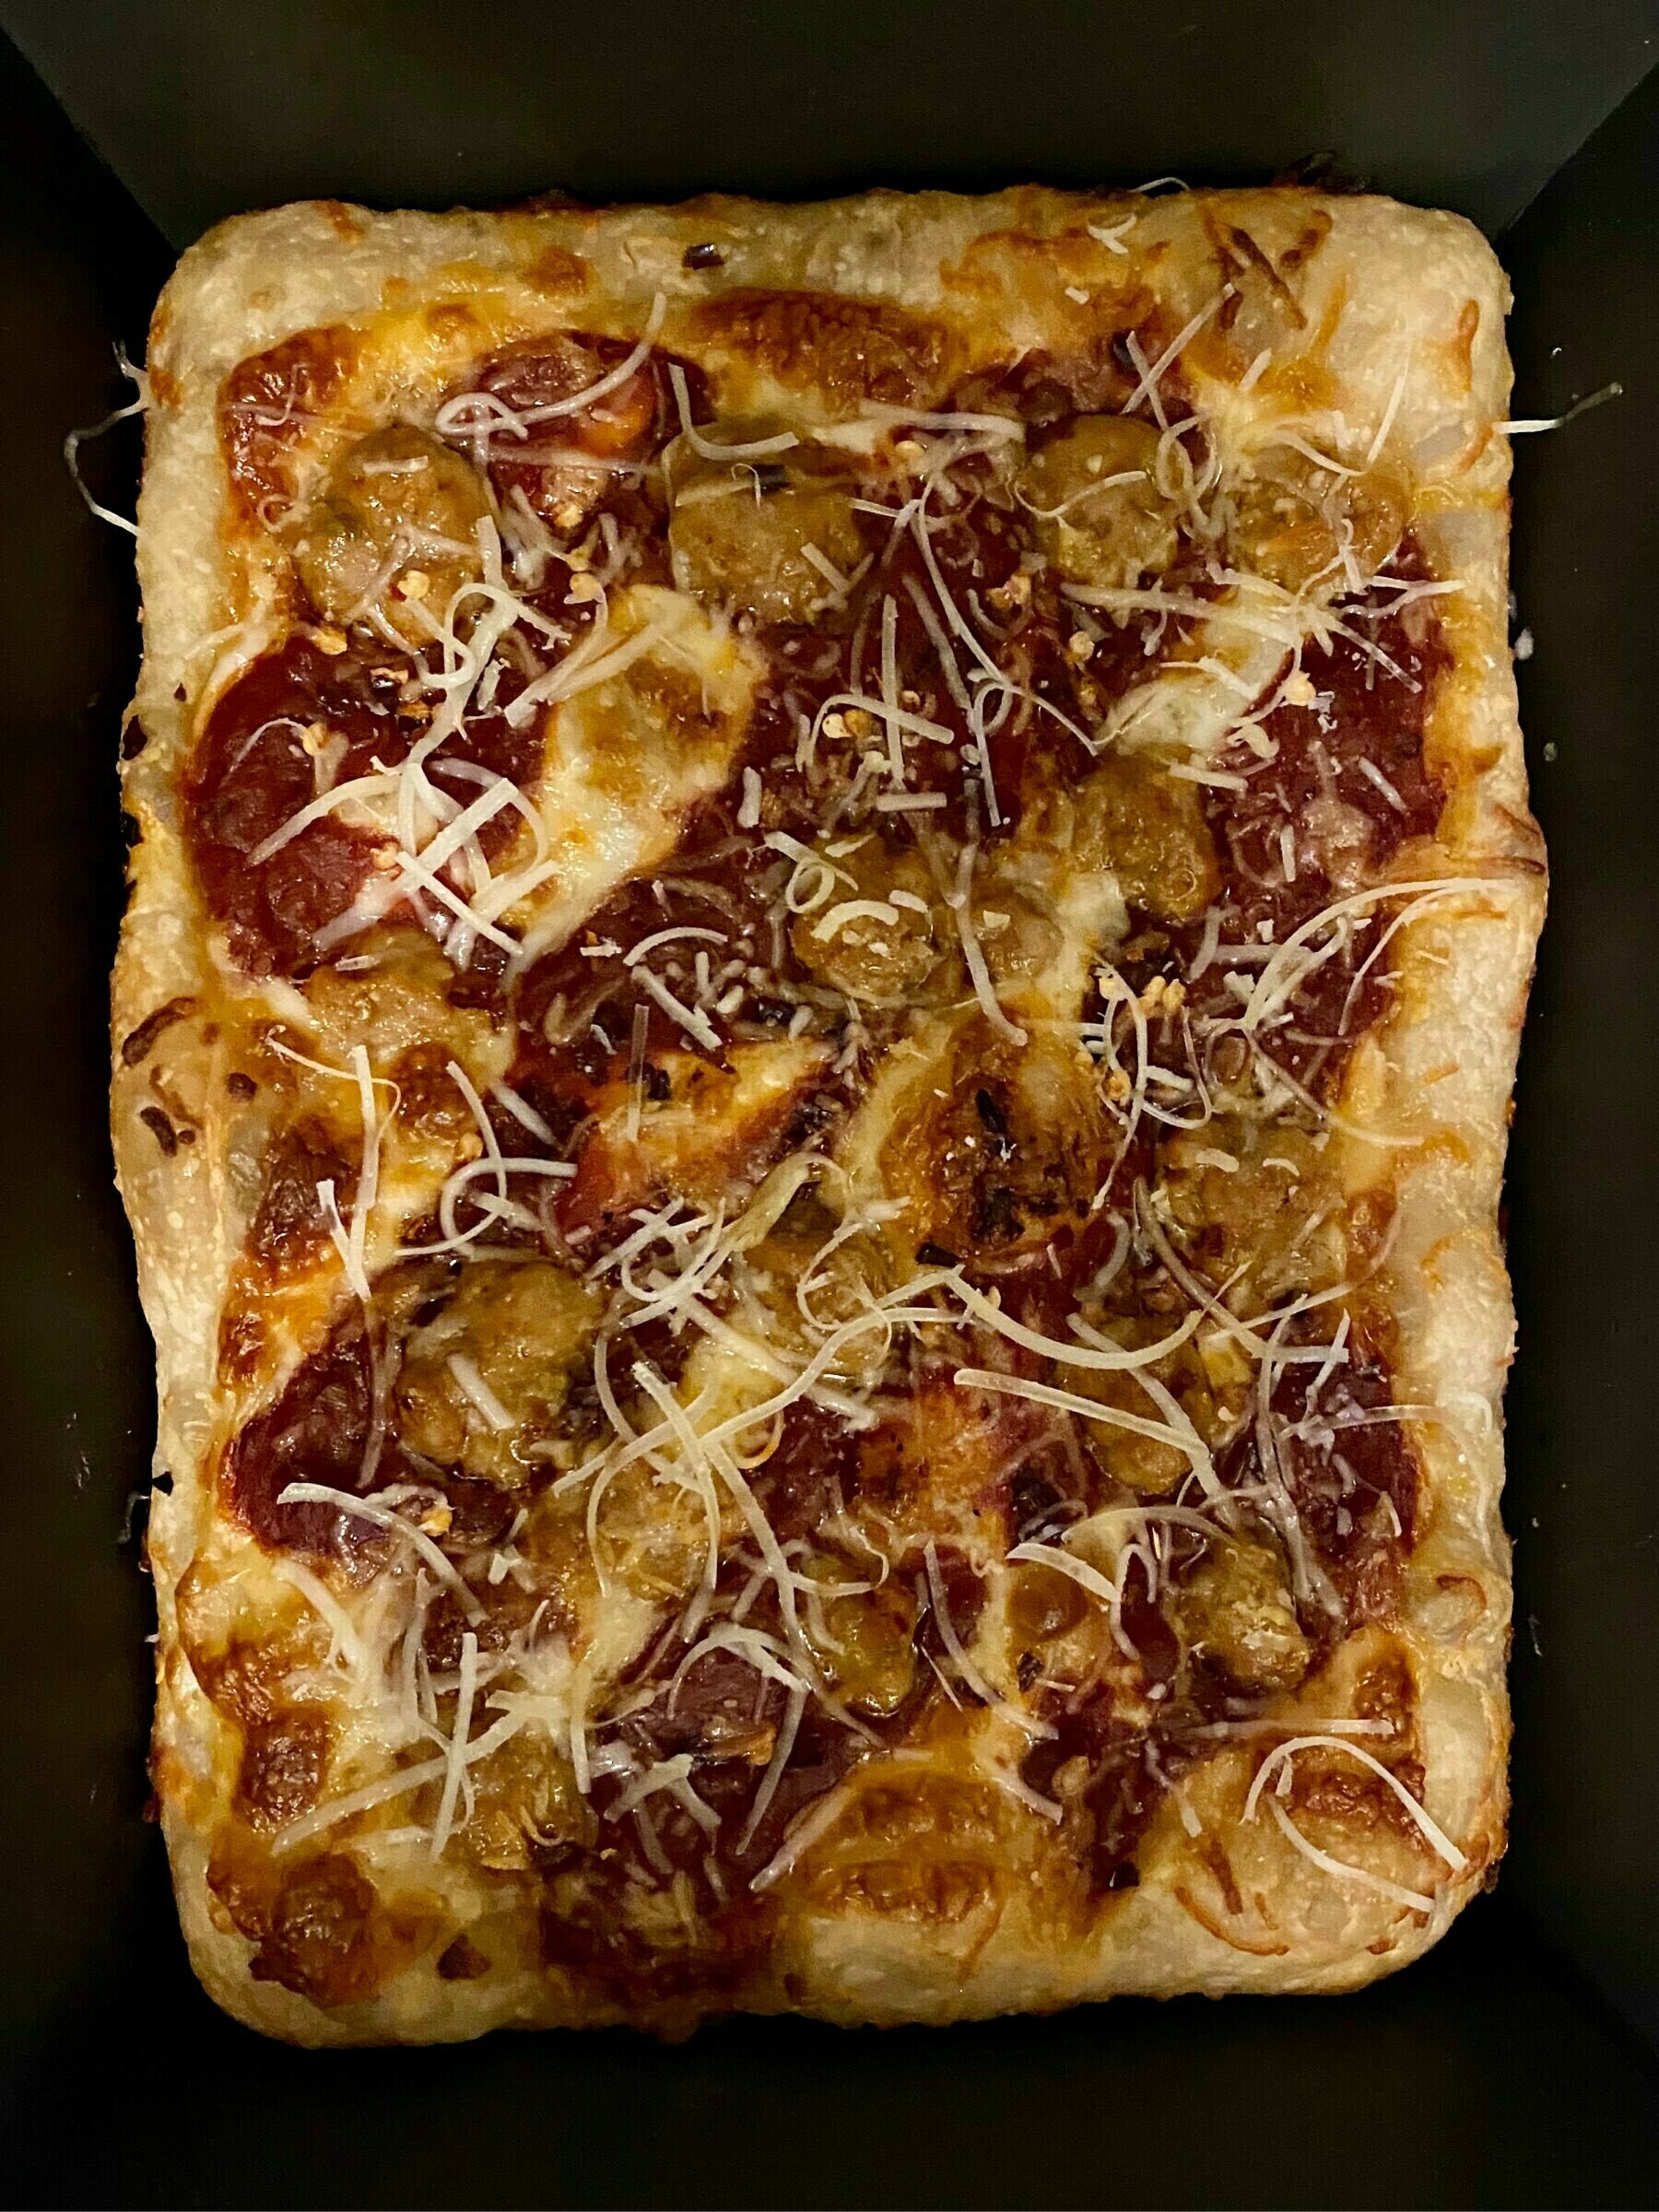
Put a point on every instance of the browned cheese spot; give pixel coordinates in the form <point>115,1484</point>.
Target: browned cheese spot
<point>269,402</point>
<point>849,350</point>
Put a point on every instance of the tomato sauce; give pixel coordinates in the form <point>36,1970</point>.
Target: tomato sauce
<point>584,994</point>
<point>591,456</point>
<point>1032,724</point>
<point>1353,1478</point>
<point>252,772</point>
<point>1122,1771</point>
<point>319,1429</point>
<point>1346,825</point>
<point>1363,711</point>
<point>729,1715</point>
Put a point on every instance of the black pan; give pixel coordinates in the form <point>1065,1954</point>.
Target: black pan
<point>1517,2064</point>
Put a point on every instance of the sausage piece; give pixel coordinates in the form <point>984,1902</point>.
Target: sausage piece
<point>744,532</point>
<point>1101,517</point>
<point>393,531</point>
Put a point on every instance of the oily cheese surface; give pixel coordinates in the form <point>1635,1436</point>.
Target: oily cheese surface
<point>811,1061</point>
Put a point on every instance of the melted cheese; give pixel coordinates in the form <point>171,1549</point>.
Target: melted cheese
<point>628,756</point>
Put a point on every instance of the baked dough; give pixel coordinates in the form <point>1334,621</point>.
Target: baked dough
<point>1184,499</point>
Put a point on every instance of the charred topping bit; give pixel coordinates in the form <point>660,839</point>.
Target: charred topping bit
<point>793,1357</point>
<point>462,1961</point>
<point>136,1045</point>
<point>161,1129</point>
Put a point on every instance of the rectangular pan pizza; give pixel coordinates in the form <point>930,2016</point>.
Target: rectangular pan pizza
<point>811,1059</point>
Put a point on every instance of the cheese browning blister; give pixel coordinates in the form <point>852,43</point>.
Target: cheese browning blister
<point>812,1058</point>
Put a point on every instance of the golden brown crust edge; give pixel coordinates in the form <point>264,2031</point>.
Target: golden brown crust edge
<point>254,281</point>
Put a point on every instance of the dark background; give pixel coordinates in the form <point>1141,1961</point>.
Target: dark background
<point>1517,2064</point>
<point>204,110</point>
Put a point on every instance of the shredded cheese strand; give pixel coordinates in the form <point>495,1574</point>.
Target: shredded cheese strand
<point>455,1762</point>
<point>383,1516</point>
<point>1342,1868</point>
<point>1433,1832</point>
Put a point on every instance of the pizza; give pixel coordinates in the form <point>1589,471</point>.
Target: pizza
<point>829,912</point>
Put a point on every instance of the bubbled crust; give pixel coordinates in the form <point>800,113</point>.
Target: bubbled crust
<point>946,283</point>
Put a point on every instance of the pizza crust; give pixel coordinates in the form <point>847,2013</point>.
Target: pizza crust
<point>253,283</point>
